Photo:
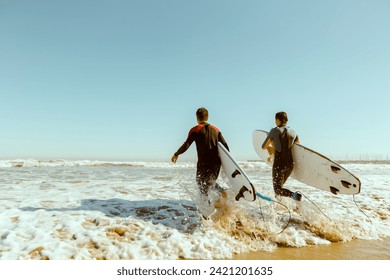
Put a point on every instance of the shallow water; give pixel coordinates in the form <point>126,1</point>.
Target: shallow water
<point>354,250</point>
<point>138,210</point>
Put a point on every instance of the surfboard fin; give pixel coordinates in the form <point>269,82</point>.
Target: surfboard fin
<point>334,190</point>
<point>235,173</point>
<point>346,184</point>
<point>335,169</point>
<point>241,193</point>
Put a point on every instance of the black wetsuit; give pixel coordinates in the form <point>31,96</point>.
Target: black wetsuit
<point>206,137</point>
<point>283,138</point>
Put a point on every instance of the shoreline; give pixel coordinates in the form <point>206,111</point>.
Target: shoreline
<point>353,250</point>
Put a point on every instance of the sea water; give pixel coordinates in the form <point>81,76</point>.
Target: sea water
<point>64,209</point>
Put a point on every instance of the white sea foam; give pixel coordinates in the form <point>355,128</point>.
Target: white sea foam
<point>65,209</point>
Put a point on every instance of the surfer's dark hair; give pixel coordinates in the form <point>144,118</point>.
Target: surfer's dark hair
<point>202,114</point>
<point>282,116</point>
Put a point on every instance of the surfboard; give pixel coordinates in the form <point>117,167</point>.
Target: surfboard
<point>238,179</point>
<point>313,168</point>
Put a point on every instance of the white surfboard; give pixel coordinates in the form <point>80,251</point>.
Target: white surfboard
<point>312,168</point>
<point>239,181</point>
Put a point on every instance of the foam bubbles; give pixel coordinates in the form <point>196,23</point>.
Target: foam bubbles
<point>139,210</point>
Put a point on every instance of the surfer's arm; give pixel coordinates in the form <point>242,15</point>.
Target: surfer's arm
<point>181,150</point>
<point>271,151</point>
<point>268,145</point>
<point>183,147</point>
<point>222,140</point>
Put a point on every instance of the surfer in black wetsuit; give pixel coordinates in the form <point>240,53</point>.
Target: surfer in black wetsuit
<point>206,137</point>
<point>278,143</point>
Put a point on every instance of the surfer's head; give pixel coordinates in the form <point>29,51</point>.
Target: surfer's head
<point>281,117</point>
<point>202,115</point>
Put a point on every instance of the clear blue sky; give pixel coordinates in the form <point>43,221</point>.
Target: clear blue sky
<point>122,79</point>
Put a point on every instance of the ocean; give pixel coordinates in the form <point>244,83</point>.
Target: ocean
<point>89,210</point>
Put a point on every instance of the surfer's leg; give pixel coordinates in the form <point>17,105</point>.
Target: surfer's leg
<point>206,177</point>
<point>212,176</point>
<point>214,173</point>
<point>279,178</point>
<point>202,182</point>
<point>286,173</point>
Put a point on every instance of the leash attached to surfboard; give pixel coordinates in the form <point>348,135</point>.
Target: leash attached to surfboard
<point>361,210</point>
<point>240,183</point>
<point>266,198</point>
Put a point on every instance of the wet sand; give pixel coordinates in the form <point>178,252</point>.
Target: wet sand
<point>353,250</point>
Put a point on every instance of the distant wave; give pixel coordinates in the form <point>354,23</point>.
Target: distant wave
<point>18,163</point>
<point>251,164</point>
<point>364,161</point>
<point>64,163</point>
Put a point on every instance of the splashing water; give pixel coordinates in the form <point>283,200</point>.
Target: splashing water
<point>140,210</point>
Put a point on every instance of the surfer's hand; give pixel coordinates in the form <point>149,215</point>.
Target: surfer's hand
<point>174,158</point>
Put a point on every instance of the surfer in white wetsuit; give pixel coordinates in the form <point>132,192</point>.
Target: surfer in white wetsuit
<point>278,143</point>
